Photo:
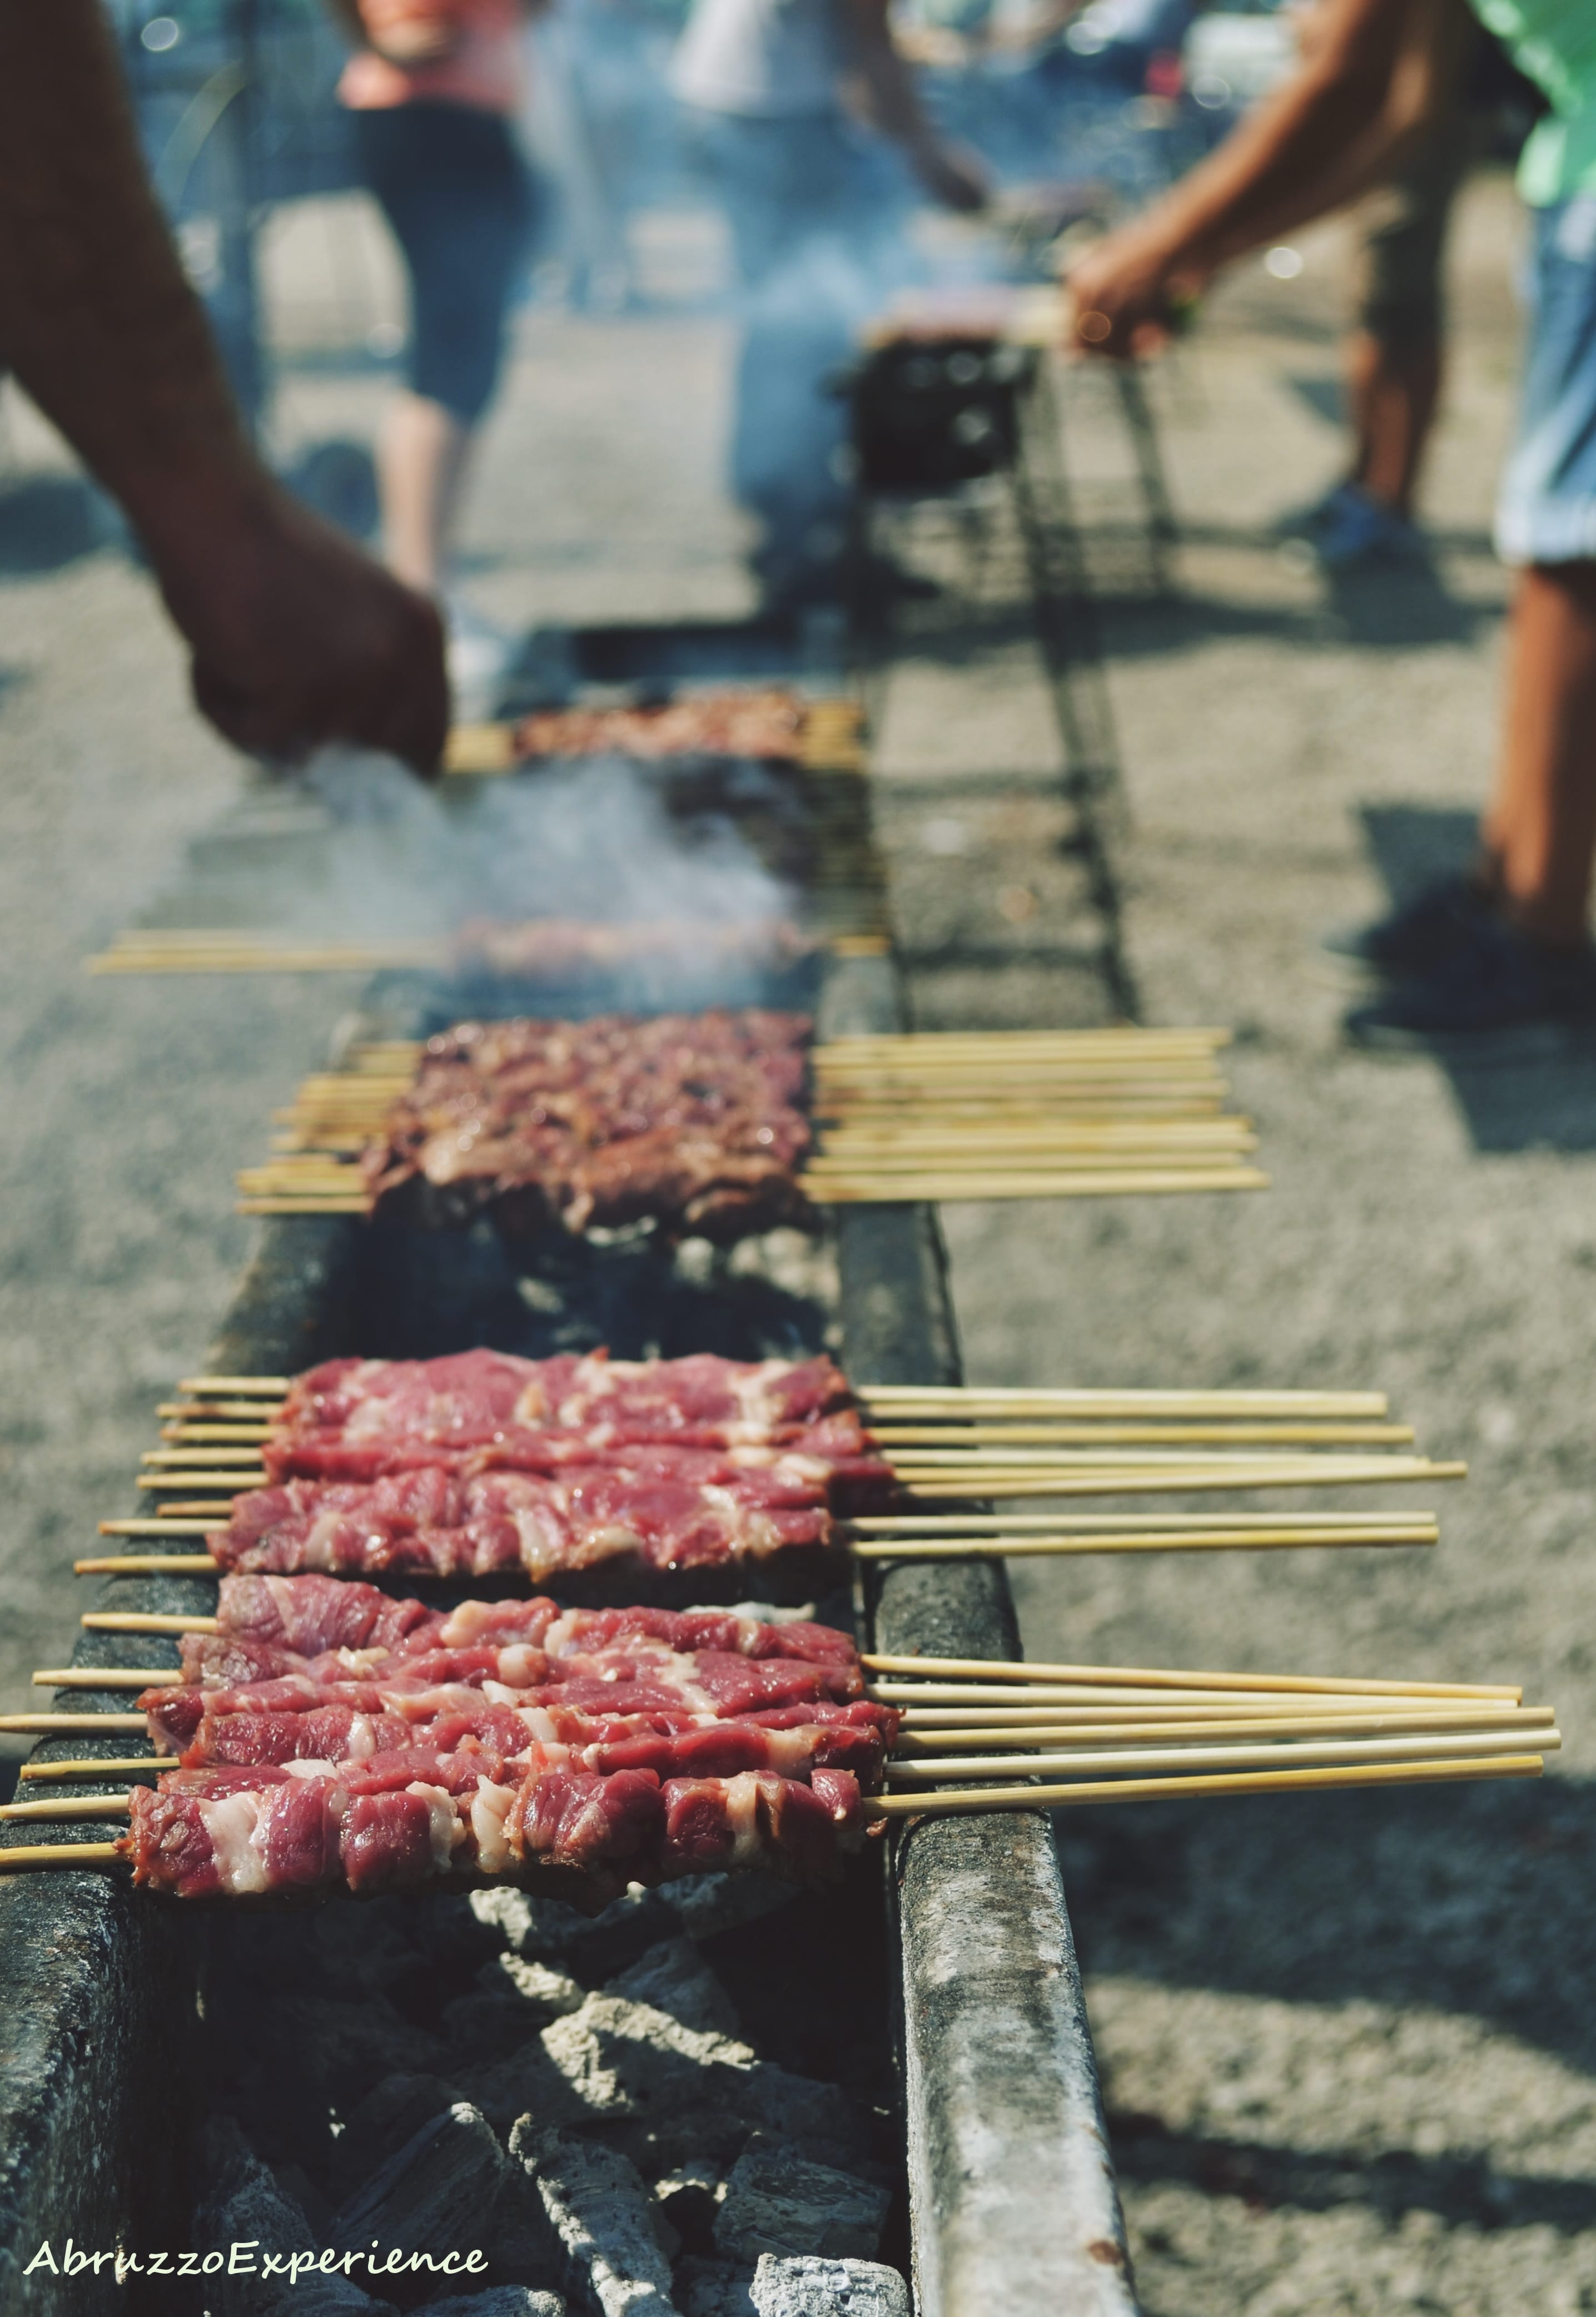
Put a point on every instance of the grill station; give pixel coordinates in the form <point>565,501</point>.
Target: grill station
<point>904,2072</point>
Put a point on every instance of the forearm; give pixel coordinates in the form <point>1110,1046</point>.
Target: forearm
<point>96,317</point>
<point>1342,124</point>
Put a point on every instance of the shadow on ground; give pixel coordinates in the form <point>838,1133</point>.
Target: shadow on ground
<point>1478,1900</point>
<point>1543,1098</point>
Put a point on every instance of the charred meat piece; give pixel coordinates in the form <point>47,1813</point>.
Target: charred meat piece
<point>692,1120</point>
<point>768,724</point>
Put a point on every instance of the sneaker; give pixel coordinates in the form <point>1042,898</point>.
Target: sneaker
<point>1306,523</point>
<point>1497,978</point>
<point>1359,529</point>
<point>1416,936</point>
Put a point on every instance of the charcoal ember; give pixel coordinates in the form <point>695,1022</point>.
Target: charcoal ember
<point>673,1977</point>
<point>244,2207</point>
<point>706,1904</point>
<point>501,2301</point>
<point>802,2284</point>
<point>692,2092</point>
<point>511,2001</point>
<point>300,2061</point>
<point>391,2114</point>
<point>451,2189</point>
<point>713,2288</point>
<point>779,2203</point>
<point>599,2206</point>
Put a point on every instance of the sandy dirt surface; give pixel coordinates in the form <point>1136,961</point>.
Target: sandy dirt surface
<point>1347,2042</point>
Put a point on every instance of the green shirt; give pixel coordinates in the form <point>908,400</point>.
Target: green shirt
<point>1552,42</point>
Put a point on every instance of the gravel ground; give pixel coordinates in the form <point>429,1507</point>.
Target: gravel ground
<point>1347,2044</point>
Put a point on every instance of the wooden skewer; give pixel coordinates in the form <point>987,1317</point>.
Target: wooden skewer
<point>937,1524</point>
<point>167,1526</point>
<point>148,1564</point>
<point>266,1387</point>
<point>947,1487</point>
<point>995,1434</point>
<point>1092,1727</point>
<point>143,1621</point>
<point>76,1807</point>
<point>1140,1759</point>
<point>69,1725</point>
<point>977,1799</point>
<point>1027,1669</point>
<point>1217,1540</point>
<point>108,1677</point>
<point>980,1709</point>
<point>132,1765</point>
<point>61,1854</point>
<point>1090,1400</point>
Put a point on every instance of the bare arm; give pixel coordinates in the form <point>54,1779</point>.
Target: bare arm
<point>894,107</point>
<point>296,637</point>
<point>1377,71</point>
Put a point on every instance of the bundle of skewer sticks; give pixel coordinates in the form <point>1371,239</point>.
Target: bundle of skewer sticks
<point>1021,1114</point>
<point>988,1445</point>
<point>220,949</point>
<point>983,1735</point>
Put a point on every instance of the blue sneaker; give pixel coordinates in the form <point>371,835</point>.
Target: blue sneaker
<point>1358,529</point>
<point>1496,980</point>
<point>1419,935</point>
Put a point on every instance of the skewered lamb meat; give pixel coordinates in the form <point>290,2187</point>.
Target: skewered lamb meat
<point>643,1519</point>
<point>689,1120</point>
<point>472,1412</point>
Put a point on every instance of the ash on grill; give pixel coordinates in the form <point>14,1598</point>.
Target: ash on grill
<point>681,2105</point>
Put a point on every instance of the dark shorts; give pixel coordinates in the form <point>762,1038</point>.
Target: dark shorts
<point>454,188</point>
<point>1402,231</point>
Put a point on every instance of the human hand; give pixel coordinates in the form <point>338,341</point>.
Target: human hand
<point>297,637</point>
<point>951,175</point>
<point>1128,294</point>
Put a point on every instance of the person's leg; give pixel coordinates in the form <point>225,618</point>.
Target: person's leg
<point>1522,956</point>
<point>1392,386</point>
<point>456,195</point>
<point>423,449</point>
<point>1540,832</point>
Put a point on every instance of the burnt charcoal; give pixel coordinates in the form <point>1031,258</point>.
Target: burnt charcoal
<point>501,2301</point>
<point>706,1904</point>
<point>593,1947</point>
<point>713,2288</point>
<point>673,1977</point>
<point>696,2093</point>
<point>787,2284</point>
<point>511,2001</point>
<point>601,2208</point>
<point>451,2187</point>
<point>690,2197</point>
<point>339,1951</point>
<point>523,2082</point>
<point>389,2115</point>
<point>302,2059</point>
<point>775,2201</point>
<point>245,2207</point>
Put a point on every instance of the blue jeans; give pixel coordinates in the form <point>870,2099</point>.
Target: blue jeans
<point>815,220</point>
<point>1545,511</point>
